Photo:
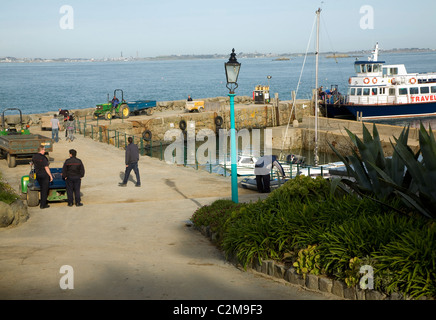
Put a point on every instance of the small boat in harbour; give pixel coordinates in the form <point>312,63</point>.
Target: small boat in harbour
<point>383,91</point>
<point>246,164</point>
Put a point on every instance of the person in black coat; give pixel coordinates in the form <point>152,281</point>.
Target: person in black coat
<point>43,175</point>
<point>132,158</point>
<point>73,171</point>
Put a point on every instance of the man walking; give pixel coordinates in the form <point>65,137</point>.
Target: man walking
<point>73,171</point>
<point>55,128</point>
<point>43,175</point>
<point>132,158</point>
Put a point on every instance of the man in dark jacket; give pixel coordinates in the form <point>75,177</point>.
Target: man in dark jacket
<point>73,172</point>
<point>132,158</point>
<point>43,174</point>
<point>262,170</point>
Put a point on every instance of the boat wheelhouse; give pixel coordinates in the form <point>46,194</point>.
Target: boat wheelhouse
<point>384,91</point>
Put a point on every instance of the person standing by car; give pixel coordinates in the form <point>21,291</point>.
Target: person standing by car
<point>132,158</point>
<point>73,171</point>
<point>43,174</point>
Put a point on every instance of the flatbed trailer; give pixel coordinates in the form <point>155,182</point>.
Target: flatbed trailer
<point>141,106</point>
<point>20,143</point>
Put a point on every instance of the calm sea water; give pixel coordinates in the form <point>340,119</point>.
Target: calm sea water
<point>44,87</point>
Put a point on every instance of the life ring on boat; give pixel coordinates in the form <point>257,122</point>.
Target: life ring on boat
<point>366,80</point>
<point>146,135</point>
<point>374,80</point>
<point>182,125</point>
<point>393,81</point>
<point>219,121</point>
<point>412,81</point>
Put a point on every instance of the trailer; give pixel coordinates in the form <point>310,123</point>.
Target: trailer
<point>19,143</point>
<point>141,106</point>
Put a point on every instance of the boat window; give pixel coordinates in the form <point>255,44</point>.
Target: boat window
<point>357,68</point>
<point>353,91</point>
<point>382,91</point>
<point>377,67</point>
<point>392,91</point>
<point>425,90</point>
<point>393,71</point>
<point>370,67</point>
<point>403,91</point>
<point>433,89</point>
<point>359,91</point>
<point>414,90</point>
<point>385,71</point>
<point>366,91</point>
<point>374,91</point>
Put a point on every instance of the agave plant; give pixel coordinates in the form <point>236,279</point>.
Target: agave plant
<point>421,192</point>
<point>364,166</point>
<point>407,174</point>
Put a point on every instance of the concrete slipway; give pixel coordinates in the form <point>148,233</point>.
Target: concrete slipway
<point>127,243</point>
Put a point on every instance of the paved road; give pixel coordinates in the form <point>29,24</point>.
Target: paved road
<point>127,243</point>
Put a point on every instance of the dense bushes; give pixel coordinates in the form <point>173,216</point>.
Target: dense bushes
<point>302,223</point>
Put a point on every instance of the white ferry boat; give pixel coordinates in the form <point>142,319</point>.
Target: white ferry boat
<point>383,91</point>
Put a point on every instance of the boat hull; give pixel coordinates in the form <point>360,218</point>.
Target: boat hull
<point>378,111</point>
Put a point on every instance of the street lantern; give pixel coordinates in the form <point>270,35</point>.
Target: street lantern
<point>232,71</point>
<point>232,68</point>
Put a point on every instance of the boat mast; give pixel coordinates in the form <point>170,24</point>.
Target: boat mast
<point>316,159</point>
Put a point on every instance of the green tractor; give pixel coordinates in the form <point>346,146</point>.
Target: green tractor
<point>113,108</point>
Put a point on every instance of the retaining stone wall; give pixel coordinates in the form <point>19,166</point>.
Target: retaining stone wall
<point>319,283</point>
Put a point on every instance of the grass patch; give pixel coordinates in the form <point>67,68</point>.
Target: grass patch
<point>7,193</point>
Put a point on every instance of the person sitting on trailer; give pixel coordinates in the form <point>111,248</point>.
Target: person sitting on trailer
<point>189,98</point>
<point>262,170</point>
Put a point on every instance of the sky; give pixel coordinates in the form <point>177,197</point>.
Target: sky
<point>145,28</point>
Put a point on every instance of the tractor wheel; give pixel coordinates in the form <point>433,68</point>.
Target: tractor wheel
<point>32,198</point>
<point>12,160</point>
<point>108,115</point>
<point>124,112</point>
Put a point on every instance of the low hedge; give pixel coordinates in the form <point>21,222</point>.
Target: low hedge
<point>305,225</point>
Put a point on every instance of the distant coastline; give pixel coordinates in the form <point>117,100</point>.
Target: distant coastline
<point>276,57</point>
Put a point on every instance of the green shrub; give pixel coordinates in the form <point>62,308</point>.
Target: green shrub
<point>214,215</point>
<point>409,262</point>
<point>303,223</point>
<point>7,194</point>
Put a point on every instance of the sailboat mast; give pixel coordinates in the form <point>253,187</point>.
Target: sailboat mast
<point>316,158</point>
